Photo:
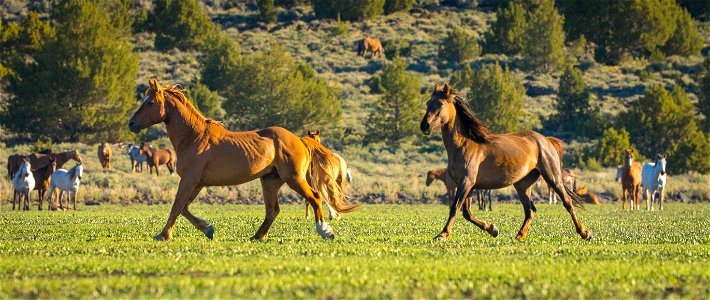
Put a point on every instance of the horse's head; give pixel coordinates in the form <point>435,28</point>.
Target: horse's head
<point>661,162</point>
<point>151,111</point>
<point>439,109</point>
<point>629,158</point>
<point>79,170</point>
<point>143,148</point>
<point>75,155</point>
<point>430,177</point>
<point>25,168</point>
<point>314,134</point>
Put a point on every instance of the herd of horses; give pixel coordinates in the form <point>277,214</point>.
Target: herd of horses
<point>210,155</point>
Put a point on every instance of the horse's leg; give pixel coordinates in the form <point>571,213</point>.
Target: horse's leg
<point>552,175</point>
<point>468,215</point>
<point>307,206</point>
<point>73,198</point>
<point>301,187</point>
<point>185,190</point>
<point>623,199</point>
<point>40,192</point>
<point>199,223</point>
<point>462,191</point>
<point>524,189</point>
<point>490,201</point>
<point>662,197</point>
<point>14,199</point>
<point>27,199</point>
<point>653,198</point>
<point>270,186</point>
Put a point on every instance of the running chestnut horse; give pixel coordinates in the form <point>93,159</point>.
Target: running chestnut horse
<point>159,157</point>
<point>371,45</point>
<point>211,155</point>
<point>105,155</point>
<point>630,181</point>
<point>480,159</point>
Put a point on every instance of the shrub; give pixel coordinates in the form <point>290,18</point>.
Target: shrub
<point>462,79</point>
<point>496,96</point>
<point>396,114</point>
<point>340,27</point>
<point>610,148</point>
<point>506,33</point>
<point>397,48</point>
<point>392,6</point>
<point>207,102</point>
<point>704,97</point>
<point>267,11</point>
<point>219,60</point>
<point>574,112</point>
<point>543,41</point>
<point>686,40</point>
<point>351,10</point>
<point>180,24</point>
<point>459,47</point>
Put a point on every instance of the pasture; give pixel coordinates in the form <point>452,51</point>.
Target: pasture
<point>379,251</point>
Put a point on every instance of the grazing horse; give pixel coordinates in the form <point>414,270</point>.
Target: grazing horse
<point>371,45</point>
<point>211,155</point>
<point>653,179</point>
<point>105,155</point>
<point>43,176</point>
<point>66,181</point>
<point>343,176</point>
<point>480,159</point>
<point>38,160</point>
<point>156,158</point>
<point>22,184</point>
<point>137,159</point>
<point>630,181</point>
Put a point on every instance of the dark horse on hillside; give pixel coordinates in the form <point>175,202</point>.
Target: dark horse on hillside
<point>480,159</point>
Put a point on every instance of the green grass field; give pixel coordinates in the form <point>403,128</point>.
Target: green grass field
<point>380,251</point>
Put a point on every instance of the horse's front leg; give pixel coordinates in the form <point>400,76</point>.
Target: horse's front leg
<point>662,197</point>
<point>185,190</point>
<point>462,191</point>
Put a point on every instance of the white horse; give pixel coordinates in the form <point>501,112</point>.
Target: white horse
<point>66,181</point>
<point>137,159</point>
<point>653,179</point>
<point>22,184</point>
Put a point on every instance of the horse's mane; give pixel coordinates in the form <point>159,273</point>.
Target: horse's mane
<point>471,126</point>
<point>72,171</point>
<point>196,116</point>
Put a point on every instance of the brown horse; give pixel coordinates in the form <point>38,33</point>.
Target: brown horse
<point>159,157</point>
<point>371,45</point>
<point>42,177</point>
<point>211,155</point>
<point>105,155</point>
<point>443,176</point>
<point>343,174</point>
<point>38,160</point>
<point>480,159</point>
<point>630,182</point>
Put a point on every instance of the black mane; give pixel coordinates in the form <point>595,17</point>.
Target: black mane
<point>471,126</point>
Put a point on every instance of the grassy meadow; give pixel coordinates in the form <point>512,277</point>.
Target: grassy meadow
<point>380,251</point>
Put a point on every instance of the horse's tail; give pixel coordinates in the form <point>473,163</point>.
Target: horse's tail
<point>322,176</point>
<point>558,144</point>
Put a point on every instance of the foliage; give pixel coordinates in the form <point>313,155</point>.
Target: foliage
<point>220,59</point>
<point>543,41</point>
<point>611,146</point>
<point>180,24</point>
<point>208,102</point>
<point>292,3</point>
<point>20,42</point>
<point>396,114</point>
<point>267,11</point>
<point>80,85</point>
<point>462,79</point>
<point>270,89</point>
<point>496,96</point>
<point>458,47</point>
<point>351,10</point>
<point>704,97</point>
<point>397,47</point>
<point>574,111</point>
<point>392,6</point>
<point>664,122</point>
<point>506,33</point>
<point>686,40</point>
<point>340,27</point>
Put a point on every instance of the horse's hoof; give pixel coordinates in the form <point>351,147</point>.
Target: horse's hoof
<point>439,237</point>
<point>493,231</point>
<point>589,236</point>
<point>209,232</point>
<point>520,237</point>
<point>160,237</point>
<point>256,238</point>
<point>331,236</point>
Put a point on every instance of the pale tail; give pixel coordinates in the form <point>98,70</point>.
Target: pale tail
<point>321,176</point>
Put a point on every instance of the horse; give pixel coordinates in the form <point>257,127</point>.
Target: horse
<point>371,45</point>
<point>442,175</point>
<point>480,159</point>
<point>630,181</point>
<point>105,154</point>
<point>653,179</point>
<point>343,176</point>
<point>569,179</point>
<point>66,181</point>
<point>137,159</point>
<point>39,160</point>
<point>43,176</point>
<point>211,155</point>
<point>22,184</point>
<point>589,197</point>
<point>156,158</point>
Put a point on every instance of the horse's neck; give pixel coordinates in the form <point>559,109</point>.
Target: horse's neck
<point>148,152</point>
<point>183,125</point>
<point>453,140</point>
<point>62,158</point>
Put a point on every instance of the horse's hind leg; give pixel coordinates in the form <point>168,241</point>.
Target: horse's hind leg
<point>524,189</point>
<point>307,207</point>
<point>270,185</point>
<point>490,228</point>
<point>301,187</point>
<point>556,183</point>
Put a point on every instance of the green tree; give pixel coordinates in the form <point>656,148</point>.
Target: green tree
<point>574,112</point>
<point>392,6</point>
<point>610,148</point>
<point>19,43</point>
<point>397,47</point>
<point>496,96</point>
<point>543,41</point>
<point>686,40</point>
<point>267,11</point>
<point>270,89</point>
<point>81,83</point>
<point>396,113</point>
<point>506,33</point>
<point>462,79</point>
<point>350,10</point>
<point>219,61</point>
<point>704,97</point>
<point>180,24</point>
<point>208,102</point>
<point>459,46</point>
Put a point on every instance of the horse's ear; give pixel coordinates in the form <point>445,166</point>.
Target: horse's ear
<point>447,89</point>
<point>437,87</point>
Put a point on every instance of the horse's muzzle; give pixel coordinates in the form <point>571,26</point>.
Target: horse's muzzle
<point>424,126</point>
<point>134,126</point>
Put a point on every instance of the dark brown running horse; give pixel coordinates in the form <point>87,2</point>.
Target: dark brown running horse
<point>480,159</point>
<point>159,157</point>
<point>210,155</point>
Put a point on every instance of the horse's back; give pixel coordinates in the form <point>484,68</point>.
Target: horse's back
<point>650,178</point>
<point>62,180</point>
